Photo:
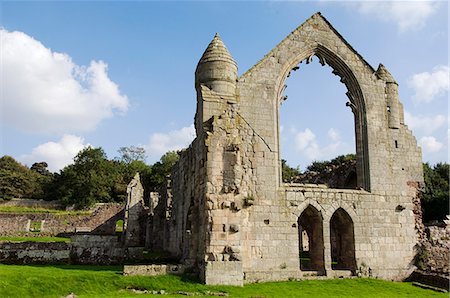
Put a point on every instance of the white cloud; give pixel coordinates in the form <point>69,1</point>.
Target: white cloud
<point>430,144</point>
<point>334,135</point>
<point>427,124</point>
<point>406,14</point>
<point>46,92</point>
<point>160,143</point>
<point>307,144</point>
<point>56,154</point>
<point>428,85</point>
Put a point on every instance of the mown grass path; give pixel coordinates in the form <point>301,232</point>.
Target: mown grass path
<point>97,281</point>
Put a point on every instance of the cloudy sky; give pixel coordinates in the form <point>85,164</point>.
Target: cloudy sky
<point>113,74</point>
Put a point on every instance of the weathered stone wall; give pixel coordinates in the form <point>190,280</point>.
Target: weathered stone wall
<point>31,203</point>
<point>102,221</point>
<point>247,222</point>
<point>435,250</point>
<point>135,217</point>
<point>34,253</point>
<point>153,270</point>
<point>96,249</point>
<point>178,225</point>
<point>84,249</point>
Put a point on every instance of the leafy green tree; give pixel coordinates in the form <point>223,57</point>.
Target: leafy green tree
<point>435,197</point>
<point>90,179</point>
<point>288,173</point>
<point>18,181</point>
<point>319,166</point>
<point>162,169</point>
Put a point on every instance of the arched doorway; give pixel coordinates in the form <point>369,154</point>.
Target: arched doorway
<point>310,234</point>
<point>342,238</point>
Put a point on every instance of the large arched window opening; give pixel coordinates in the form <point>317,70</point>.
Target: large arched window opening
<point>310,235</point>
<point>315,124</point>
<point>342,240</point>
<point>349,110</point>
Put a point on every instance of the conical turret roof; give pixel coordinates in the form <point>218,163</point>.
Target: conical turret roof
<point>385,75</point>
<point>216,51</point>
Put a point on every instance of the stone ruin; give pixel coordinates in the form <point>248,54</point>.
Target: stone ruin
<point>228,215</point>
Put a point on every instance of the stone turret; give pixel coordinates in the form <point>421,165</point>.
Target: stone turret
<point>392,100</point>
<point>217,69</point>
<point>215,82</point>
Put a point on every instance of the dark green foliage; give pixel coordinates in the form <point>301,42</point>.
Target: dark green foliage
<point>18,181</point>
<point>319,166</point>
<point>435,197</point>
<point>162,169</point>
<point>92,178</point>
<point>287,173</point>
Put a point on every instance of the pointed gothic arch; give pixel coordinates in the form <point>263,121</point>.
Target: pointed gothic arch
<point>311,244</point>
<point>342,238</point>
<point>354,93</point>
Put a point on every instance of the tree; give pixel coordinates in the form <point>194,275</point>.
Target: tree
<point>162,169</point>
<point>287,173</point>
<point>132,153</point>
<point>435,197</point>
<point>319,166</point>
<point>18,181</point>
<point>90,179</point>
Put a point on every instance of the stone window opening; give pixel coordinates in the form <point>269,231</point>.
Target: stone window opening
<point>311,244</point>
<point>306,136</point>
<point>342,240</point>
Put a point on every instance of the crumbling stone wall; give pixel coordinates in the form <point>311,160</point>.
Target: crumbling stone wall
<point>231,217</point>
<point>83,249</point>
<point>102,221</point>
<point>134,224</point>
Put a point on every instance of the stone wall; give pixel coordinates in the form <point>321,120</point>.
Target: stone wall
<point>83,249</point>
<point>435,249</point>
<point>102,221</point>
<point>96,249</point>
<point>34,253</point>
<point>229,214</point>
<point>153,270</point>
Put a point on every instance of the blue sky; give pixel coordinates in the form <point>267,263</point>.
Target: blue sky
<point>113,74</point>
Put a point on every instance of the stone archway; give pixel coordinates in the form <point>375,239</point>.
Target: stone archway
<point>342,238</point>
<point>354,93</point>
<point>311,244</point>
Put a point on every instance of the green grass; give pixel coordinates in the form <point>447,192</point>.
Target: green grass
<point>95,281</point>
<point>28,210</point>
<point>34,239</point>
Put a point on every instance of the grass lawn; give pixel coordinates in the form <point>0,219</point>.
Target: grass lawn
<point>34,239</point>
<point>28,210</point>
<point>96,281</point>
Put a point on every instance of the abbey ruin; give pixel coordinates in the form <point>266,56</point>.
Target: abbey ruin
<point>227,213</point>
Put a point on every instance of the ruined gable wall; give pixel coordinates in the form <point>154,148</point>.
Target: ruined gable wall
<point>383,236</point>
<point>247,218</point>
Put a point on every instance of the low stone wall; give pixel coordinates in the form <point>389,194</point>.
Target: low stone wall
<point>84,249</point>
<point>102,221</point>
<point>34,253</point>
<point>31,203</point>
<point>437,249</point>
<point>430,279</point>
<point>153,270</point>
<point>97,249</point>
